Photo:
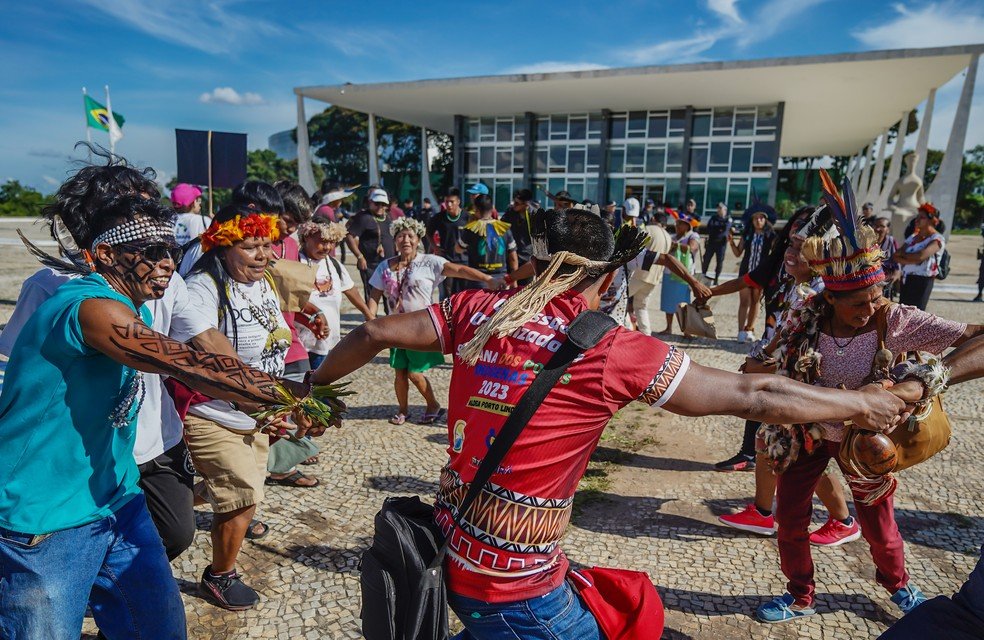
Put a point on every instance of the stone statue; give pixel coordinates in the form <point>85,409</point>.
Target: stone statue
<point>905,197</point>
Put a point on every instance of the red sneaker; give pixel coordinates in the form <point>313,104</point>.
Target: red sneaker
<point>751,520</point>
<point>834,533</point>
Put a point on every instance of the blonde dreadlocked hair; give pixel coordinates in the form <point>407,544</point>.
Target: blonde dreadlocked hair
<point>555,280</point>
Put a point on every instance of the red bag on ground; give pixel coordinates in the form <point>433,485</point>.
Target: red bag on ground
<point>625,603</point>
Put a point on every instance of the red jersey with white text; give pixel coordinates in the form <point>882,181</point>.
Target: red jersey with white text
<point>507,548</point>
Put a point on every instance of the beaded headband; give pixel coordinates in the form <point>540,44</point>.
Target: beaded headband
<point>224,234</point>
<point>136,229</point>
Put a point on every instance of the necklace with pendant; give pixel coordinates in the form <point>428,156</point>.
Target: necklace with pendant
<point>841,347</point>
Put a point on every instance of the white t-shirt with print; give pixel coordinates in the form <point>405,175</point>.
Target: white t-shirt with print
<point>251,339</point>
<point>328,302</point>
<point>188,226</point>
<point>426,272</point>
<point>931,265</point>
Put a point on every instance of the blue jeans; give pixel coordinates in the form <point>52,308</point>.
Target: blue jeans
<point>316,359</point>
<point>116,564</point>
<point>558,615</point>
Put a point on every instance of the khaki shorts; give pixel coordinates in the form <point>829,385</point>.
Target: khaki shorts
<point>232,464</point>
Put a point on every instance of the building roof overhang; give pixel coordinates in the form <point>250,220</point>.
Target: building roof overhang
<point>834,104</point>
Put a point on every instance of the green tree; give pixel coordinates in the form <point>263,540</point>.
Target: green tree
<point>17,200</point>
<point>969,210</point>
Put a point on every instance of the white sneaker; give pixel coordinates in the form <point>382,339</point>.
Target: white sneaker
<point>742,336</point>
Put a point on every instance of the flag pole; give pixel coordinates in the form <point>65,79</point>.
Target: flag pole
<point>209,173</point>
<point>88,130</point>
<point>109,109</point>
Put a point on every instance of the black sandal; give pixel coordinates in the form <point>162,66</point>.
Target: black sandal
<point>251,533</point>
<point>291,481</point>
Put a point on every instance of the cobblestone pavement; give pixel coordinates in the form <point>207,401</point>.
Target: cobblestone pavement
<point>650,503</point>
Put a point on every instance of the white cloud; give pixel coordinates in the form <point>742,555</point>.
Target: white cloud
<point>554,67</point>
<point>676,51</point>
<point>52,181</point>
<point>937,24</point>
<point>771,18</point>
<point>206,26</point>
<point>768,20</point>
<point>228,95</point>
<point>726,9</point>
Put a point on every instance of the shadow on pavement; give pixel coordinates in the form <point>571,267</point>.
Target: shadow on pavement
<point>641,516</point>
<point>402,484</point>
<point>643,461</point>
<point>709,604</point>
<point>947,531</point>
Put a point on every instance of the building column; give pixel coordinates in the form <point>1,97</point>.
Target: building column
<point>426,190</point>
<point>458,152</point>
<point>855,174</point>
<point>865,183</point>
<point>373,151</point>
<point>305,175</point>
<point>774,178</point>
<point>605,142</point>
<point>922,143</point>
<point>895,166</point>
<point>943,192</point>
<point>875,187</point>
<point>688,129</point>
<point>529,149</point>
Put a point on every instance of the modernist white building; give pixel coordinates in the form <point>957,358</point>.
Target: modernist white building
<point>713,131</point>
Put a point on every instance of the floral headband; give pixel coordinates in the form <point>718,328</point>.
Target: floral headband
<point>224,234</point>
<point>330,231</point>
<point>404,223</point>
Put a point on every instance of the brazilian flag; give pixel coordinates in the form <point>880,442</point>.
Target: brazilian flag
<point>97,116</point>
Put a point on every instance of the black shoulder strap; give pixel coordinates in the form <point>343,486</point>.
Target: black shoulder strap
<point>338,266</point>
<point>584,332</point>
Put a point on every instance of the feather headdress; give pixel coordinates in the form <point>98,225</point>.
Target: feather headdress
<point>850,259</point>
<point>75,261</point>
<point>518,309</point>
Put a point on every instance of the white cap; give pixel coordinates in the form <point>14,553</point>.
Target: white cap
<point>631,207</point>
<point>379,195</point>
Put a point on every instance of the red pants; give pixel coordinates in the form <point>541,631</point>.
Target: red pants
<point>794,511</point>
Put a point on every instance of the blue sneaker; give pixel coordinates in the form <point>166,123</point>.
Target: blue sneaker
<point>908,598</point>
<point>778,610</point>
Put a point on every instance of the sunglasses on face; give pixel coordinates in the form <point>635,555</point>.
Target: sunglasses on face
<point>156,251</point>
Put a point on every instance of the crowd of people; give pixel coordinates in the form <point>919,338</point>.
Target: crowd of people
<point>140,357</point>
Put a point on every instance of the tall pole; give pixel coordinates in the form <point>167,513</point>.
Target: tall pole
<point>209,173</point>
<point>109,111</point>
<point>88,130</point>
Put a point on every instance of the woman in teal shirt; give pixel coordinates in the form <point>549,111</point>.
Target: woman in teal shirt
<point>73,523</point>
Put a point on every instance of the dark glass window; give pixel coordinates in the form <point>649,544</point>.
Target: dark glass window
<point>637,124</point>
<point>558,158</point>
<point>719,153</point>
<point>575,160</point>
<point>618,127</point>
<point>723,119</point>
<point>558,127</point>
<point>471,134</point>
<point>579,129</point>
<point>716,192</point>
<point>486,159</point>
<point>595,124</point>
<point>656,159</point>
<point>471,161</point>
<point>519,160</point>
<point>541,160</point>
<point>768,116</point>
<point>635,156</point>
<point>744,123</point>
<point>657,126</point>
<point>503,160</point>
<point>741,159</point>
<point>488,129</point>
<point>698,160</point>
<point>504,131</point>
<point>674,155</point>
<point>677,121</point>
<point>542,129</point>
<point>702,125</point>
<point>594,156</point>
<point>616,159</point>
<point>764,154</point>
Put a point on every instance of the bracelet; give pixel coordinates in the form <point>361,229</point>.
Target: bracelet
<point>932,373</point>
<point>508,279</point>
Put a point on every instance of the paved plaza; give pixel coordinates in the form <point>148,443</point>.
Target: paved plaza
<point>649,502</point>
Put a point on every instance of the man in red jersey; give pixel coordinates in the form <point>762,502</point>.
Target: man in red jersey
<point>505,571</point>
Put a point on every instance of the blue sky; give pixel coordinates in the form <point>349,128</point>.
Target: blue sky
<point>230,65</point>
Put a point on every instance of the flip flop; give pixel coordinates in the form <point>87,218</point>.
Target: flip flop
<point>431,418</point>
<point>291,481</point>
<point>398,419</point>
<point>251,530</point>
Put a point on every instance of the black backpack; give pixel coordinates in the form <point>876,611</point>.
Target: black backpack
<point>403,594</point>
<point>943,265</point>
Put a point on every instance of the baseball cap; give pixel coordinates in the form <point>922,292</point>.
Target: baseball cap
<point>338,194</point>
<point>379,195</point>
<point>631,207</point>
<point>478,189</point>
<point>184,195</point>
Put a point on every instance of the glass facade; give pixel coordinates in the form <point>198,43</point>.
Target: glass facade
<point>730,151</point>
